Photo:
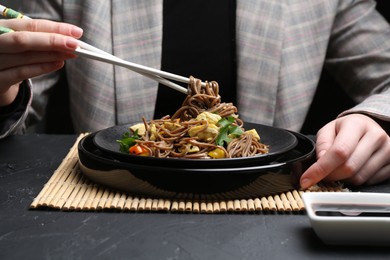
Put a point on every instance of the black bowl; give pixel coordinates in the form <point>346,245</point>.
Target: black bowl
<point>279,141</point>
<point>152,180</point>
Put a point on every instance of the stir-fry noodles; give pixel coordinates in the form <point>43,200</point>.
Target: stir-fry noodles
<point>203,127</point>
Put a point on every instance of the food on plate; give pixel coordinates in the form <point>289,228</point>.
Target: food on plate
<point>203,127</point>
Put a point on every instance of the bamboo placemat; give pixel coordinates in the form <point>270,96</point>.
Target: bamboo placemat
<point>68,190</point>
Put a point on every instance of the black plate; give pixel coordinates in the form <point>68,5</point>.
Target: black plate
<point>279,140</point>
<point>158,181</point>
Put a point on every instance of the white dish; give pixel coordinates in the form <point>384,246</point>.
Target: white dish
<point>350,218</point>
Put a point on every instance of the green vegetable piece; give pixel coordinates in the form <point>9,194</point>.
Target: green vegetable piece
<point>227,131</point>
<point>128,141</point>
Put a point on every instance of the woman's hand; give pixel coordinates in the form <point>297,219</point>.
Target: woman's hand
<point>354,149</point>
<point>36,47</point>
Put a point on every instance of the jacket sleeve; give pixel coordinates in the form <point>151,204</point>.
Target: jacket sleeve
<point>359,57</point>
<point>12,117</point>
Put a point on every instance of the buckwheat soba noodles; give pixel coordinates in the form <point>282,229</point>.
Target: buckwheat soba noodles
<point>203,127</point>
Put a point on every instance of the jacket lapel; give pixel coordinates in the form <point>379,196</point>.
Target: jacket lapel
<point>137,37</point>
<point>259,51</point>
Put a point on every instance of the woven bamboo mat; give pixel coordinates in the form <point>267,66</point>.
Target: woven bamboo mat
<point>68,190</point>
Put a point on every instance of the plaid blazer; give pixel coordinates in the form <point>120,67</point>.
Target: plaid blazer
<point>282,48</point>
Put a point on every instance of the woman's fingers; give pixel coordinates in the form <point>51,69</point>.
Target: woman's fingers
<point>32,57</point>
<point>375,161</point>
<point>381,175</point>
<point>41,44</point>
<point>10,76</point>
<point>37,25</point>
<point>325,139</point>
<point>335,146</point>
<point>363,152</point>
<point>354,149</point>
<point>36,41</point>
<point>38,35</point>
<point>16,67</point>
<point>36,47</point>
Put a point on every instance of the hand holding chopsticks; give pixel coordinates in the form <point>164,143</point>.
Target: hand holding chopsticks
<point>87,51</point>
<point>29,54</point>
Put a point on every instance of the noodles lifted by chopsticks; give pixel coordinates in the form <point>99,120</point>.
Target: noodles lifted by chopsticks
<point>202,128</point>
<point>201,99</point>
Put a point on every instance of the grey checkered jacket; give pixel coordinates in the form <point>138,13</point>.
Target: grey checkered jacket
<point>282,48</point>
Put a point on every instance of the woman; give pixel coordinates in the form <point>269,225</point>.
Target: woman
<point>279,52</point>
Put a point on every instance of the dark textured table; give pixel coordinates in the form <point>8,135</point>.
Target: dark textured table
<point>28,161</point>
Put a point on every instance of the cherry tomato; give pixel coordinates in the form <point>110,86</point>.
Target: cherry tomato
<point>138,150</point>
